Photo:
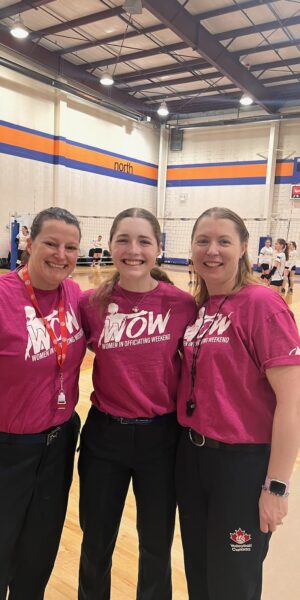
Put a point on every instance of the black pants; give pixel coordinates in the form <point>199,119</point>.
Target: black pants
<point>111,455</point>
<point>34,484</point>
<point>218,493</point>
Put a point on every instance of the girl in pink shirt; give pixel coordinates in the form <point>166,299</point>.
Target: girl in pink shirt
<point>134,323</point>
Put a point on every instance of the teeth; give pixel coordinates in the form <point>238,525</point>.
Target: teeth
<point>55,266</point>
<point>133,263</point>
<point>212,264</point>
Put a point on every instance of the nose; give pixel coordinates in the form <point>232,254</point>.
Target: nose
<point>61,252</point>
<point>212,248</point>
<point>134,247</point>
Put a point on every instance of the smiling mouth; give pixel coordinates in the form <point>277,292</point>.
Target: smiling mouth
<point>211,264</point>
<point>133,263</point>
<point>56,266</point>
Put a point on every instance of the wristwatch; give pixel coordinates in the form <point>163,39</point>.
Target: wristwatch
<point>276,487</point>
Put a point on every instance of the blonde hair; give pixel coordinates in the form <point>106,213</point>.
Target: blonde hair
<point>244,274</point>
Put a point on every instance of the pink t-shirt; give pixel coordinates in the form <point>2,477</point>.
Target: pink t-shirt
<point>254,331</point>
<point>29,373</point>
<point>137,364</point>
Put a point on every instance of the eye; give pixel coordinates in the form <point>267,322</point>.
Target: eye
<point>201,242</point>
<point>71,248</point>
<point>145,242</point>
<point>225,242</point>
<point>51,244</point>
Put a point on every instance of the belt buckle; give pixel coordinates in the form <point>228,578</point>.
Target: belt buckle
<point>193,441</point>
<point>53,435</point>
<point>124,421</point>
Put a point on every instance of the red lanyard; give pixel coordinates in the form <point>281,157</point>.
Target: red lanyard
<point>60,348</point>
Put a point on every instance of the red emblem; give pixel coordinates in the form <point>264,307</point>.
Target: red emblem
<point>240,536</point>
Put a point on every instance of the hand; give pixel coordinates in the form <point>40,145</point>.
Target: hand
<point>272,509</point>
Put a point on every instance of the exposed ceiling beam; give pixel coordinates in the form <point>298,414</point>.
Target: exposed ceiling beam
<point>179,67</point>
<point>134,56</point>
<point>20,7</point>
<point>179,20</point>
<point>204,104</point>
<point>219,88</point>
<point>217,12</point>
<point>214,75</point>
<point>289,91</point>
<point>110,40</point>
<point>186,66</point>
<point>92,18</point>
<point>234,33</point>
<point>39,56</point>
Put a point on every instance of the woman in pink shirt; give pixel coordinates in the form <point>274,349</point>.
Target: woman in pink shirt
<point>134,323</point>
<point>41,348</point>
<point>239,405</point>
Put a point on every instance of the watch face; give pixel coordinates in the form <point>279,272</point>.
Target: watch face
<point>277,487</point>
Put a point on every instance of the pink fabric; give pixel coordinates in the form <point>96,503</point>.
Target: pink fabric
<point>255,331</point>
<point>137,365</point>
<point>29,373</point>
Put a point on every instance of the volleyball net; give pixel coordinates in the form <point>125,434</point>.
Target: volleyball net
<point>177,236</point>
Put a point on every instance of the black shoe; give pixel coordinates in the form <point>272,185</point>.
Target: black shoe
<point>290,290</point>
<point>283,290</point>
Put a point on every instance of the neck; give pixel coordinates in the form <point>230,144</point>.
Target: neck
<point>35,281</point>
<point>138,286</point>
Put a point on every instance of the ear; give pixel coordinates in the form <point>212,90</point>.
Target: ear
<point>159,249</point>
<point>29,244</point>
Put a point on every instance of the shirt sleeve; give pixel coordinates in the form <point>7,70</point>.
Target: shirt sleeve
<point>276,340</point>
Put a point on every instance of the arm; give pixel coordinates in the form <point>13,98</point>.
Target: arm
<point>285,441</point>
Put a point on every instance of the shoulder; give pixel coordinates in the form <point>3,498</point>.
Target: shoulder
<point>85,298</point>
<point>72,287</point>
<point>261,300</point>
<point>172,291</point>
<point>10,280</point>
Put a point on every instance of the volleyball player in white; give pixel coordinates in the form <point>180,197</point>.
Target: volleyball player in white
<point>276,274</point>
<point>290,268</point>
<point>265,258</point>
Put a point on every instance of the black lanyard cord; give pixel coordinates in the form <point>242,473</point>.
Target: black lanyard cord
<point>191,403</point>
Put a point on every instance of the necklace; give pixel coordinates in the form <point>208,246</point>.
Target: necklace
<point>191,403</point>
<point>135,308</point>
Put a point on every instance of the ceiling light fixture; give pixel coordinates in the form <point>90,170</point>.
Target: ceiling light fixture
<point>18,29</point>
<point>106,79</point>
<point>133,7</point>
<point>163,110</point>
<point>246,100</point>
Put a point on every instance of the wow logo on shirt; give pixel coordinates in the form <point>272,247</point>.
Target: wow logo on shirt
<point>214,325</point>
<point>122,329</point>
<point>39,343</point>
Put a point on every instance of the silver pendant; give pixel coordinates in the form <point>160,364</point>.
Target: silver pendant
<point>61,400</point>
<point>135,309</point>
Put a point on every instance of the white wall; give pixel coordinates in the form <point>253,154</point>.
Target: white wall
<point>27,186</point>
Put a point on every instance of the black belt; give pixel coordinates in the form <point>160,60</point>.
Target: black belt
<point>200,440</point>
<point>139,420</point>
<point>45,437</point>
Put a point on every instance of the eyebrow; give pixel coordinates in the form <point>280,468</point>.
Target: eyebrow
<point>140,237</point>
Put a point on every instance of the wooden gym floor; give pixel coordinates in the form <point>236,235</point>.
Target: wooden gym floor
<point>281,572</point>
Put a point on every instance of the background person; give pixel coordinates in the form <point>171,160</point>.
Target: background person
<point>21,239</point>
<point>134,324</point>
<point>275,276</point>
<point>239,405</point>
<point>96,251</point>
<point>265,258</point>
<point>41,348</point>
<point>290,268</point>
